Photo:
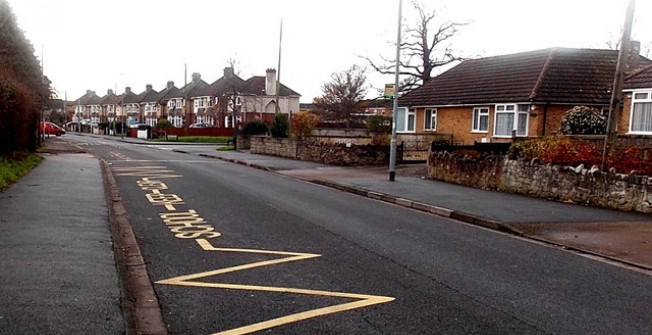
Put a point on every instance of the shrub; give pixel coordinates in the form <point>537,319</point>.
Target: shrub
<point>254,127</point>
<point>582,120</point>
<point>280,126</point>
<point>379,124</point>
<point>303,123</point>
<point>569,151</point>
<point>163,124</point>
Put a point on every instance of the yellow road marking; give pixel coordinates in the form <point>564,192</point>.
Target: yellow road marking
<point>364,300</point>
<point>155,171</point>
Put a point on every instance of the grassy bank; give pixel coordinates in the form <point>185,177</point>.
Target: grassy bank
<point>15,166</point>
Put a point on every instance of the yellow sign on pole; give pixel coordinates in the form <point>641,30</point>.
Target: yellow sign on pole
<point>389,91</point>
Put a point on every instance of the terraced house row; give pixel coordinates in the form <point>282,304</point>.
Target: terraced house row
<point>224,103</point>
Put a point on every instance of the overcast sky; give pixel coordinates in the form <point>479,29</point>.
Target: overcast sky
<point>102,44</point>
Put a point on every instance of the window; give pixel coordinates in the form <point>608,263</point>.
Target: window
<point>176,121</point>
<point>640,120</point>
<point>431,119</point>
<point>511,118</point>
<point>405,120</point>
<point>480,119</point>
<point>149,108</point>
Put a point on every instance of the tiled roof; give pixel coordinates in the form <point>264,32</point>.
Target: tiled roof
<point>130,98</point>
<point>110,99</point>
<point>639,79</point>
<point>148,95</point>
<point>170,93</point>
<point>90,98</point>
<point>197,89</point>
<point>256,85</point>
<point>226,85</point>
<point>556,75</point>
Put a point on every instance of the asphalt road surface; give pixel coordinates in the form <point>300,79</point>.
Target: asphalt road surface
<point>236,250</point>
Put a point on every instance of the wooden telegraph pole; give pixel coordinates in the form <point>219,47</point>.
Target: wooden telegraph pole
<point>616,92</point>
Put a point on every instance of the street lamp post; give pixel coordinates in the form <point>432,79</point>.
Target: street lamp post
<point>392,145</point>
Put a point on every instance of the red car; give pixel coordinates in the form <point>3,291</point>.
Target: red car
<point>50,128</point>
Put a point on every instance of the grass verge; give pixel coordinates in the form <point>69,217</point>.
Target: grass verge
<point>15,166</point>
<point>197,139</point>
<point>226,148</point>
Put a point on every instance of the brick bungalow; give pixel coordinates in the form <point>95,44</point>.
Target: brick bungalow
<point>524,94</point>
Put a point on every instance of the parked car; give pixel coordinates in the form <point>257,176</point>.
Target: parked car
<point>50,128</point>
<point>200,125</point>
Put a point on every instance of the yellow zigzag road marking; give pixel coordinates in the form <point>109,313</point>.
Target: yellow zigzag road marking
<point>190,280</point>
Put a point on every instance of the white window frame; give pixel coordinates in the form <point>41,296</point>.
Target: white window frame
<point>149,107</point>
<point>518,111</point>
<point>476,124</point>
<point>646,99</point>
<point>409,120</point>
<point>432,120</point>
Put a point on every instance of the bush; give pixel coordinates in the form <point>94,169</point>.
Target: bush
<point>280,126</point>
<point>163,124</point>
<point>303,123</point>
<point>569,151</point>
<point>379,124</point>
<point>582,120</point>
<point>254,127</point>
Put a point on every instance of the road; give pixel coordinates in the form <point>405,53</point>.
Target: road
<point>236,250</point>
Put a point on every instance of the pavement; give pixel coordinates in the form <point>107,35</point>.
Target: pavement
<point>58,264</point>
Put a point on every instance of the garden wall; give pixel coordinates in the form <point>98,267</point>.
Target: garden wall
<point>563,183</point>
<point>344,154</point>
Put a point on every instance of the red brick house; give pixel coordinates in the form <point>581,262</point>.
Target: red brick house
<point>524,94</point>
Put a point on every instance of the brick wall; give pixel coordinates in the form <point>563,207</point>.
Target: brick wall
<point>563,183</point>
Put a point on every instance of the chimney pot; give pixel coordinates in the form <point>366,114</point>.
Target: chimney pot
<point>127,89</point>
<point>109,91</point>
<point>148,87</point>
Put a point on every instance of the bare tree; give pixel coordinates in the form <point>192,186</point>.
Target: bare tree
<point>422,49</point>
<point>613,43</point>
<point>342,94</point>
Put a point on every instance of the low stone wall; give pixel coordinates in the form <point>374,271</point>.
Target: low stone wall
<point>344,154</point>
<point>563,183</point>
<point>243,142</point>
<point>281,147</point>
<point>328,153</point>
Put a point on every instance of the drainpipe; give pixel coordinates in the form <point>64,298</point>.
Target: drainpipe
<point>545,119</point>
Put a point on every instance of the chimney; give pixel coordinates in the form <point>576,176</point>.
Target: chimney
<point>89,92</point>
<point>228,72</point>
<point>127,90</point>
<point>148,87</point>
<point>196,77</point>
<point>109,92</point>
<point>170,84</point>
<point>633,56</point>
<point>270,82</point>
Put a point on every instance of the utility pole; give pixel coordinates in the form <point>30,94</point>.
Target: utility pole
<point>278,74</point>
<point>392,145</point>
<point>616,92</point>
